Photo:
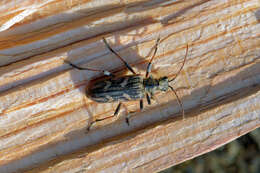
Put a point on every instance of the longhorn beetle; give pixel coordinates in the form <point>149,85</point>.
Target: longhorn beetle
<point>130,87</point>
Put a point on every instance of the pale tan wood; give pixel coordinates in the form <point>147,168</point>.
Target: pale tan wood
<point>44,110</point>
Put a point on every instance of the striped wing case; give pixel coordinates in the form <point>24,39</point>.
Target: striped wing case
<point>117,89</point>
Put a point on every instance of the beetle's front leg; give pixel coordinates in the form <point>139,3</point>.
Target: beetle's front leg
<point>118,56</point>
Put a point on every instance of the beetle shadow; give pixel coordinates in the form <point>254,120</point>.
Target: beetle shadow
<point>108,61</point>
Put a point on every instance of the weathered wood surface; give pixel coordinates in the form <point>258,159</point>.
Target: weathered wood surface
<point>44,112</point>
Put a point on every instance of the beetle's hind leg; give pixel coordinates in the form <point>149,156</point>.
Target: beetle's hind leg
<point>118,56</point>
<point>105,72</point>
<point>101,119</point>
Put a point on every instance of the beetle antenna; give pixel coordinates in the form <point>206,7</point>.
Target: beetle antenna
<point>179,101</point>
<point>182,65</point>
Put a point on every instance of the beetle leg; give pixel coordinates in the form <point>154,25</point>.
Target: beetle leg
<point>141,104</point>
<point>117,55</point>
<point>141,108</point>
<point>101,119</point>
<point>117,109</point>
<point>148,99</point>
<point>149,66</point>
<point>105,72</point>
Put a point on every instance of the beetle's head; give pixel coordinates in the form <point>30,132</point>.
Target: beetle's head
<point>163,83</point>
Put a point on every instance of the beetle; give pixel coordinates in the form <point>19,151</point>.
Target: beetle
<point>128,87</point>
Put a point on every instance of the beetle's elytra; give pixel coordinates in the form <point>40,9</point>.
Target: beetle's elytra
<point>130,87</point>
<point>123,88</point>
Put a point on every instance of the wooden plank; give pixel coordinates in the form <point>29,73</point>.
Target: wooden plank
<point>44,110</point>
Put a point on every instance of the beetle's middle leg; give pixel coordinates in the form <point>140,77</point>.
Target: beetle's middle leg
<point>141,108</point>
<point>117,55</point>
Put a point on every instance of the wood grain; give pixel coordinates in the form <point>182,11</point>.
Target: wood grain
<point>44,111</point>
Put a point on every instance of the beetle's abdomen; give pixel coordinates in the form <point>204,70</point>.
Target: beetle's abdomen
<point>117,89</point>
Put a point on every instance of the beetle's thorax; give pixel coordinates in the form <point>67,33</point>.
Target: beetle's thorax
<point>151,84</point>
